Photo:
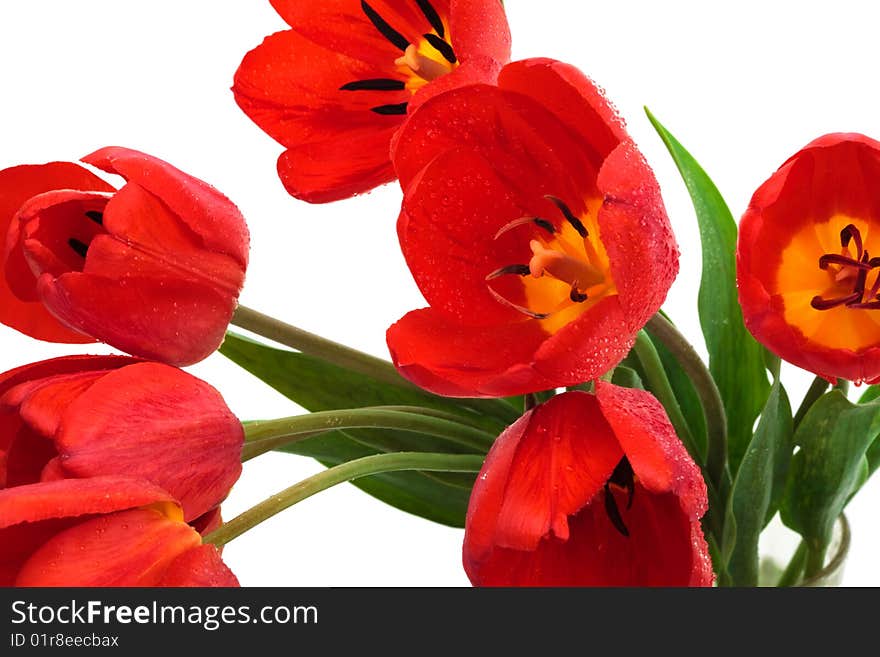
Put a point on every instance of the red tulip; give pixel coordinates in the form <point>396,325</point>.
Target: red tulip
<point>153,269</point>
<point>89,416</point>
<point>588,490</point>
<point>534,229</point>
<point>102,531</point>
<point>808,284</point>
<point>333,89</point>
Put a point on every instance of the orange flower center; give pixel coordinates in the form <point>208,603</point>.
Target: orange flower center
<point>827,279</point>
<point>568,271</point>
<point>427,61</point>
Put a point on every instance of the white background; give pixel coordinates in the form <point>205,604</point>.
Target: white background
<point>742,85</point>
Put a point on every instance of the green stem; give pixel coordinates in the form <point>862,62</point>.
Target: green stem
<point>815,560</point>
<point>816,390</point>
<point>795,569</point>
<point>348,358</point>
<point>707,390</point>
<point>362,467</point>
<point>263,436</point>
<point>659,384</point>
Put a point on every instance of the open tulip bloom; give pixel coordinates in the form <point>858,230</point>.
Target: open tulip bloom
<point>541,400</point>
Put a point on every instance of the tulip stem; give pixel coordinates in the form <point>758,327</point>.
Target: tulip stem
<point>348,358</point>
<point>816,390</point>
<point>659,384</point>
<point>710,397</point>
<point>264,436</point>
<point>362,467</point>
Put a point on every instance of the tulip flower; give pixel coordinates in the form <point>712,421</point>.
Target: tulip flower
<point>588,490</point>
<point>153,269</point>
<point>534,229</point>
<point>101,531</point>
<point>807,271</point>
<point>334,88</point>
<point>89,416</point>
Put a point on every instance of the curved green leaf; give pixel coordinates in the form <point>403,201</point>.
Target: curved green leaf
<point>736,360</point>
<point>834,438</point>
<point>758,488</point>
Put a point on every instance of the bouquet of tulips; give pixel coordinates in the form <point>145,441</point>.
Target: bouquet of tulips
<point>542,399</point>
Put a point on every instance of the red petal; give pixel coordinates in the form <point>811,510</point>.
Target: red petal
<point>636,233</point>
<point>203,209</point>
<point>659,551</point>
<point>658,457</point>
<point>156,423</point>
<point>342,26</point>
<point>541,470</point>
<point>541,159</point>
<point>127,548</point>
<point>335,169</point>
<point>17,185</point>
<point>459,216</point>
<point>291,88</point>
<point>30,515</point>
<point>38,240</point>
<point>26,457</point>
<point>207,522</point>
<point>452,359</point>
<point>76,497</point>
<point>199,566</point>
<point>572,97</point>
<point>478,28</point>
<point>173,320</point>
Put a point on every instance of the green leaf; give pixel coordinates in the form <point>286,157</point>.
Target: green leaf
<point>870,394</point>
<point>627,377</point>
<point>833,438</point>
<point>319,386</point>
<point>736,360</point>
<point>758,488</point>
<point>686,394</point>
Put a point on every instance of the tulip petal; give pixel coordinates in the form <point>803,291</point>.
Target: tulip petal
<point>126,548</point>
<point>17,185</point>
<point>31,514</point>
<point>636,233</point>
<point>199,566</point>
<point>192,439</point>
<point>173,320</point>
<point>658,457</point>
<point>207,212</point>
<point>658,551</point>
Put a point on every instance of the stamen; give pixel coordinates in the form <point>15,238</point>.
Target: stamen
<point>390,110</point>
<point>524,311</point>
<point>569,216</point>
<point>80,247</point>
<point>384,28</point>
<point>826,304</point>
<point>614,513</point>
<point>546,225</point>
<point>442,47</point>
<point>624,477</point>
<point>851,232</point>
<point>542,223</point>
<point>432,16</point>
<point>519,270</point>
<point>576,295</point>
<point>97,217</point>
<point>834,259</point>
<point>377,84</point>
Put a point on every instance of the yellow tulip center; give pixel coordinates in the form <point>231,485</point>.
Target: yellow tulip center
<point>568,271</point>
<point>828,280</point>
